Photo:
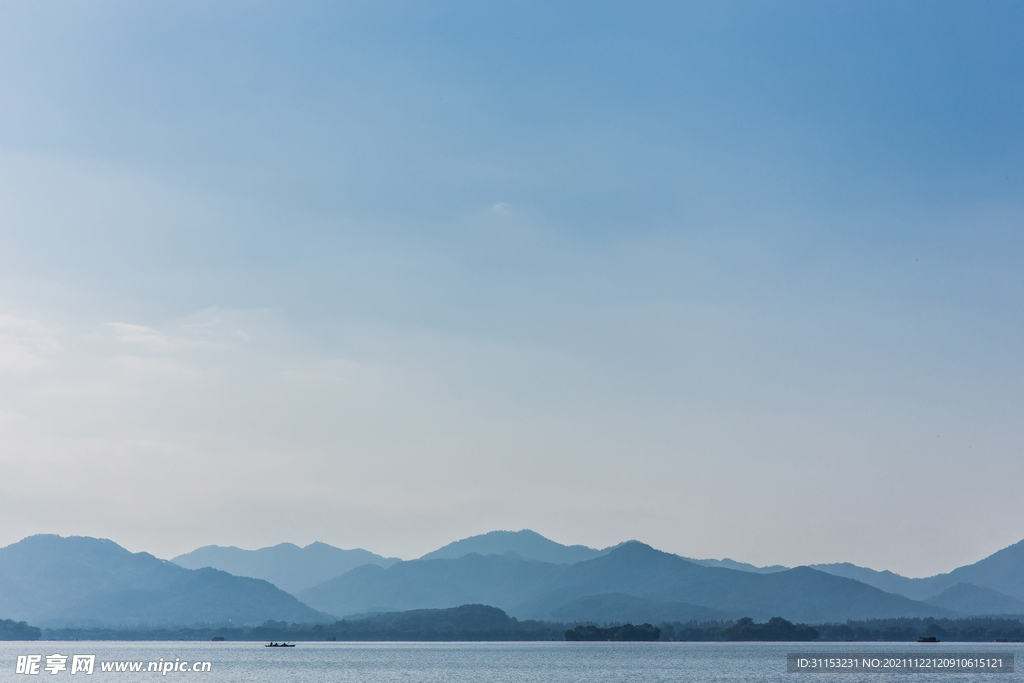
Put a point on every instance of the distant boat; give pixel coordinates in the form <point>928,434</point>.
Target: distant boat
<point>279,645</point>
<point>928,639</point>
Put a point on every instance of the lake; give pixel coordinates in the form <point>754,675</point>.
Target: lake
<point>551,662</point>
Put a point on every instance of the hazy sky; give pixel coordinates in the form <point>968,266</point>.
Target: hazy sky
<point>735,279</point>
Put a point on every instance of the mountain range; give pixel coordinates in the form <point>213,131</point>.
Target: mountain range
<point>1001,572</point>
<point>542,590</point>
<point>993,585</point>
<point>56,582</point>
<point>285,565</point>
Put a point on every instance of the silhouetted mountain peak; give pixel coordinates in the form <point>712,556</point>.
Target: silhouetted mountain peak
<point>633,547</point>
<point>635,551</point>
<point>638,553</point>
<point>525,543</point>
<point>287,546</point>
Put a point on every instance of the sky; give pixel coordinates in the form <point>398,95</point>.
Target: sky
<point>735,279</point>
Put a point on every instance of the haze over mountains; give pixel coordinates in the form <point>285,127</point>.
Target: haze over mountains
<point>54,581</point>
<point>285,565</point>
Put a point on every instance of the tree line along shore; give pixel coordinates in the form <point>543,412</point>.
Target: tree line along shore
<point>484,623</point>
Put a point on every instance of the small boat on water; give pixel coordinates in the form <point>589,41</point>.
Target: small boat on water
<point>927,639</point>
<point>279,645</point>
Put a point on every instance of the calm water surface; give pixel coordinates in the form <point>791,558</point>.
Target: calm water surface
<point>472,662</point>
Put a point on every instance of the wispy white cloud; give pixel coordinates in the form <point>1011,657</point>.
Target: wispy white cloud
<point>206,329</point>
<point>148,339</point>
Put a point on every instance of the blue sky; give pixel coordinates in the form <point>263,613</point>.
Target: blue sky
<point>736,279</point>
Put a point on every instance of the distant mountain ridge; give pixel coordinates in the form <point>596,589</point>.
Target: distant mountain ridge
<point>966,598</point>
<point>1002,571</point>
<point>538,590</point>
<point>530,545</point>
<point>285,565</point>
<point>525,543</point>
<point>741,566</point>
<point>885,580</point>
<point>53,581</point>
